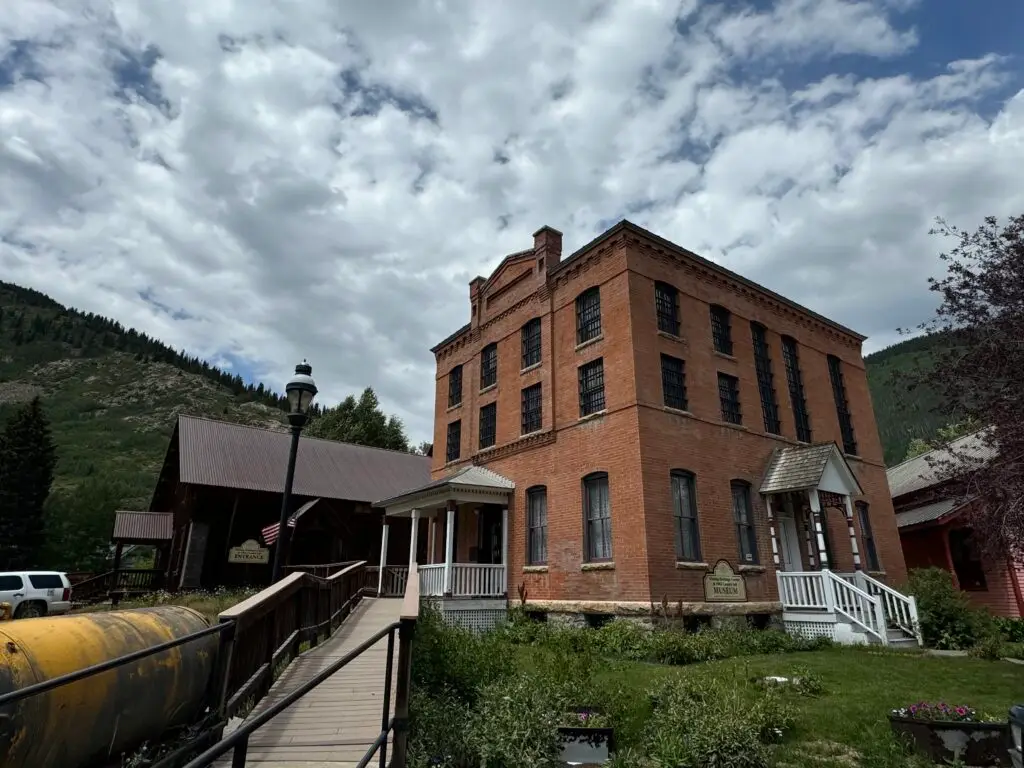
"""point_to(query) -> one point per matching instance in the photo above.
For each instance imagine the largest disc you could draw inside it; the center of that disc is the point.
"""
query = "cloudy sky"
(259, 180)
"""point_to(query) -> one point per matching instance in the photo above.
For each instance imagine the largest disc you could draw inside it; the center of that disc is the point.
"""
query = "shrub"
(948, 621)
(1012, 630)
(438, 731)
(516, 723)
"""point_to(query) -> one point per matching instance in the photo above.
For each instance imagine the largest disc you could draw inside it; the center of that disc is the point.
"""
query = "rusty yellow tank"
(82, 723)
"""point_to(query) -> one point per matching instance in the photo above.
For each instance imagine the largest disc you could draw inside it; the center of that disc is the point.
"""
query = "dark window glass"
(729, 398)
(488, 425)
(531, 343)
(721, 329)
(666, 304)
(532, 415)
(684, 507)
(597, 517)
(537, 525)
(765, 379)
(966, 560)
(744, 518)
(46, 581)
(835, 373)
(489, 366)
(588, 315)
(453, 446)
(591, 378)
(870, 550)
(791, 358)
(11, 583)
(673, 382)
(455, 386)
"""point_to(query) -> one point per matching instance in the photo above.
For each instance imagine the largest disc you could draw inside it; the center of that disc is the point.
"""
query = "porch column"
(771, 530)
(432, 530)
(414, 535)
(504, 546)
(853, 534)
(944, 530)
(449, 547)
(383, 559)
(119, 547)
(819, 535)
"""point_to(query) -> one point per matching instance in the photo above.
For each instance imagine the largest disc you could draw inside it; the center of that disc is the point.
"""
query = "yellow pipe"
(109, 713)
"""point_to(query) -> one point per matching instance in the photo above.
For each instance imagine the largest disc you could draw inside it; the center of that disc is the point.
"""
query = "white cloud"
(323, 178)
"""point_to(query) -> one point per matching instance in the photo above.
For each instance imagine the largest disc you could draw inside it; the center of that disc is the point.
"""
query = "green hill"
(903, 415)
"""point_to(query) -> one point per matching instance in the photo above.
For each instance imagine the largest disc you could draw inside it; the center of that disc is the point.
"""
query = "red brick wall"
(637, 441)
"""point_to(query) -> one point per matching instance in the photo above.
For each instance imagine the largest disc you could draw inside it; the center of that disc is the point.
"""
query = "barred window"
(835, 373)
(455, 386)
(531, 342)
(532, 415)
(721, 329)
(684, 508)
(729, 397)
(591, 378)
(765, 379)
(870, 550)
(489, 366)
(597, 517)
(537, 525)
(588, 315)
(673, 382)
(744, 518)
(666, 304)
(453, 445)
(488, 425)
(794, 379)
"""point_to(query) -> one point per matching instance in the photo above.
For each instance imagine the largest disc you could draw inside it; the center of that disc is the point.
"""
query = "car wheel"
(29, 611)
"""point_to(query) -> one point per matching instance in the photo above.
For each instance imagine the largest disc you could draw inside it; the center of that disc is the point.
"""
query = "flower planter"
(976, 744)
(585, 745)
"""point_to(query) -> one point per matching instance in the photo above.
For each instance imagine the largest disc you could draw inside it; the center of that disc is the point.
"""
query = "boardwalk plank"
(333, 725)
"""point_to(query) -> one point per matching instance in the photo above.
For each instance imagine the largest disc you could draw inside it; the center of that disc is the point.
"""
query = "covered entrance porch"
(459, 537)
(824, 590)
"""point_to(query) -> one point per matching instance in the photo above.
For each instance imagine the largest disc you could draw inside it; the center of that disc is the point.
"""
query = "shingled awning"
(142, 527)
(810, 467)
(468, 485)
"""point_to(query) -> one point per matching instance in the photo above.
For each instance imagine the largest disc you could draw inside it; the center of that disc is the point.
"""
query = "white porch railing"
(855, 598)
(478, 580)
(393, 584)
(432, 580)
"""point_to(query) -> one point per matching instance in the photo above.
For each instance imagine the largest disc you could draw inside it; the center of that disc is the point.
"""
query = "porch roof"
(930, 513)
(142, 527)
(804, 467)
(469, 484)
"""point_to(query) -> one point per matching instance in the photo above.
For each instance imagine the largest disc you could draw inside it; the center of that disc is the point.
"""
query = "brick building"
(648, 413)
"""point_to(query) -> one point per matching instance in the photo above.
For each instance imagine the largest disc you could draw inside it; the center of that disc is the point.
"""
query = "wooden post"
(504, 547)
(413, 536)
(383, 559)
(819, 534)
(853, 534)
(432, 531)
(406, 630)
(771, 530)
(449, 548)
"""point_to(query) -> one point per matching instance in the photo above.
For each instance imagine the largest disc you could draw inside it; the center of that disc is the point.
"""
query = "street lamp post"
(300, 389)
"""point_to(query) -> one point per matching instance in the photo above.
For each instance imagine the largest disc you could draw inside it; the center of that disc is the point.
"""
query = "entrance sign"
(724, 585)
(249, 552)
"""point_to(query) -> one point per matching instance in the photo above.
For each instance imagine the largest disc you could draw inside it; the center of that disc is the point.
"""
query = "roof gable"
(802, 467)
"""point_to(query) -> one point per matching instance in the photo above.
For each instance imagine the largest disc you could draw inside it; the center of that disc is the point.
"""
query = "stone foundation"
(580, 613)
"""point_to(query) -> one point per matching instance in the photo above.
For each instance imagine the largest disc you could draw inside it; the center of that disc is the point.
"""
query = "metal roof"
(797, 467)
(143, 526)
(468, 477)
(229, 455)
(924, 471)
(928, 513)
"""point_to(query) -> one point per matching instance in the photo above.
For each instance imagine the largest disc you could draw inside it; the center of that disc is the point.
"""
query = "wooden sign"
(724, 585)
(249, 552)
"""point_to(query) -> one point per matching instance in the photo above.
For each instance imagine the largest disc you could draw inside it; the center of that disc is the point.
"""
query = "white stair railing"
(856, 605)
(900, 610)
(802, 590)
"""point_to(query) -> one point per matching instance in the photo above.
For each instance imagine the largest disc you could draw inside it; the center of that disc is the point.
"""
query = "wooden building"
(223, 484)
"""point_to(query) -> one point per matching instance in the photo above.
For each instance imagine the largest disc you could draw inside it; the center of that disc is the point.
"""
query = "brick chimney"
(474, 300)
(547, 248)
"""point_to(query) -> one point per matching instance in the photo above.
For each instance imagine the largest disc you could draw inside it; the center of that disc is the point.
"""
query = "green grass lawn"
(847, 725)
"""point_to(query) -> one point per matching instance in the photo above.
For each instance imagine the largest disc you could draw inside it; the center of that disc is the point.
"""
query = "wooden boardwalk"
(333, 725)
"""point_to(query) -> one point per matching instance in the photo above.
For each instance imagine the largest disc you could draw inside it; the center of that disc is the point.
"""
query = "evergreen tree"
(362, 422)
(28, 457)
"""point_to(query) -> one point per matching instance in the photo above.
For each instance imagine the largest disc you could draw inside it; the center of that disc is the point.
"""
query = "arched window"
(531, 342)
(489, 366)
(684, 512)
(588, 315)
(537, 525)
(721, 329)
(597, 518)
(743, 514)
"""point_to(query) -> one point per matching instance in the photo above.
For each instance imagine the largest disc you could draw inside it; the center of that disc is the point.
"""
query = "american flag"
(270, 533)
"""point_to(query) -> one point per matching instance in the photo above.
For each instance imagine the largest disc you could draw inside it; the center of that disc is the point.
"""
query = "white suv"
(35, 593)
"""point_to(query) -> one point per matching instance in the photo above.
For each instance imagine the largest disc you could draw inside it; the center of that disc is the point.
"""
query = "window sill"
(725, 356)
(529, 368)
(485, 448)
(688, 566)
(453, 407)
(672, 337)
(676, 411)
(452, 462)
(536, 431)
(597, 567)
(489, 387)
(535, 569)
(876, 574)
(730, 425)
(594, 415)
(590, 342)
(856, 456)
(751, 569)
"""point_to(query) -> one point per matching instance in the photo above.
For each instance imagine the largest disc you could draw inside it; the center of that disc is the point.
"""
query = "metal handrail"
(104, 666)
